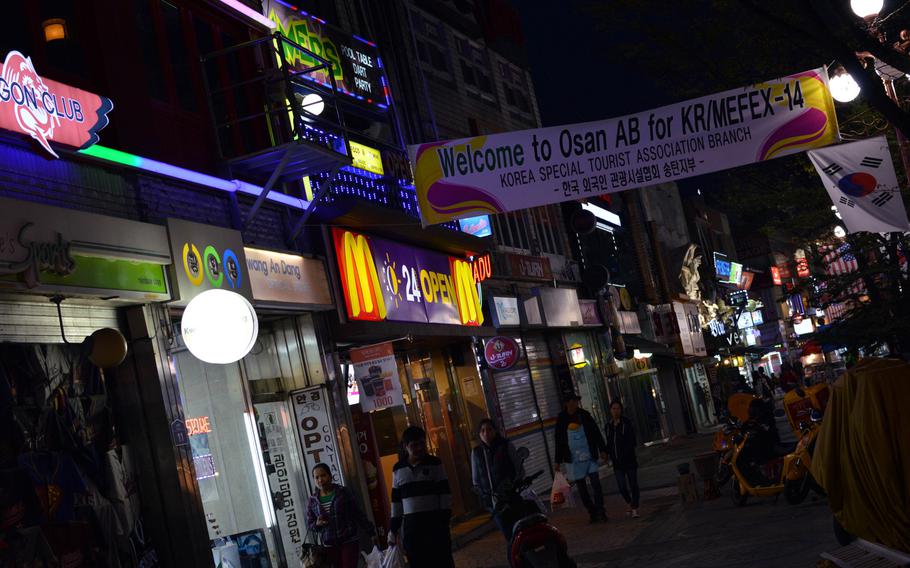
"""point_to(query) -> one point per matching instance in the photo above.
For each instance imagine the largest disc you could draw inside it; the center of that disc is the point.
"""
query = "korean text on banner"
(316, 430)
(862, 184)
(377, 377)
(528, 168)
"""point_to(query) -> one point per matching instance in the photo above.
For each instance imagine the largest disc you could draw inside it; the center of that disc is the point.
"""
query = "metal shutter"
(519, 412)
(35, 320)
(537, 460)
(544, 378)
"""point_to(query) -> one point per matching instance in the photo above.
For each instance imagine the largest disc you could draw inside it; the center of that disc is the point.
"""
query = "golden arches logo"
(469, 309)
(361, 280)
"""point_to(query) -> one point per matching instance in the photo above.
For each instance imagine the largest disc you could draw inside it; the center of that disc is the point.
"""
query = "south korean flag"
(861, 182)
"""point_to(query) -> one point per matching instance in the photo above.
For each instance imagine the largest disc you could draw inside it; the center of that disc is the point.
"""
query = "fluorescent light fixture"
(249, 13)
(231, 186)
(641, 355)
(602, 214)
(603, 227)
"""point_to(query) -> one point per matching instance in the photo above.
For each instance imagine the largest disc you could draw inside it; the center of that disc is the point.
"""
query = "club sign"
(501, 353)
(46, 110)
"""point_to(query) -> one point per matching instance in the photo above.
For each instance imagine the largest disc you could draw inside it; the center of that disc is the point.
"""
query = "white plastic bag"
(561, 492)
(373, 559)
(393, 558)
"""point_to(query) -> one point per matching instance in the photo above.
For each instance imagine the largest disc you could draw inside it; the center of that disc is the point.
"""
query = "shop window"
(467, 73)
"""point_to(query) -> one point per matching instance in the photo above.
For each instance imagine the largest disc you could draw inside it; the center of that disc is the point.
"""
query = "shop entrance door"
(438, 408)
(644, 405)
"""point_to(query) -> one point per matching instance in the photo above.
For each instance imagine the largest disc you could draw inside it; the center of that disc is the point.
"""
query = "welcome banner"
(528, 168)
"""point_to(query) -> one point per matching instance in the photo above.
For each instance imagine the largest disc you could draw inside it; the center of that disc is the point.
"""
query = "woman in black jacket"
(578, 446)
(620, 434)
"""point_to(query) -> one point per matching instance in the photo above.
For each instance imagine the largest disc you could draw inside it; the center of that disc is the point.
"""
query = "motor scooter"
(798, 465)
(534, 542)
(723, 446)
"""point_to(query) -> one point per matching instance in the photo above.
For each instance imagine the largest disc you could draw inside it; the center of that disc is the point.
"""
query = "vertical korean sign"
(317, 432)
(377, 377)
(517, 170)
(280, 453)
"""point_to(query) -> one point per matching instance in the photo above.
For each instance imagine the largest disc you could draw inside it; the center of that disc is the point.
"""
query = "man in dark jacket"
(578, 445)
(494, 461)
(620, 434)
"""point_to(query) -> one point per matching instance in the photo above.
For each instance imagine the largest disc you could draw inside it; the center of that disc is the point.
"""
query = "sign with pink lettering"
(46, 110)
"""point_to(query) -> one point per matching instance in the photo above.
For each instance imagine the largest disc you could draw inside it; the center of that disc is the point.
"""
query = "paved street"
(766, 532)
(716, 533)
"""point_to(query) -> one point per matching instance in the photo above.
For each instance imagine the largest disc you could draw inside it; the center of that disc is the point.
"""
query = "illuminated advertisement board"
(721, 267)
(46, 110)
(355, 61)
(382, 280)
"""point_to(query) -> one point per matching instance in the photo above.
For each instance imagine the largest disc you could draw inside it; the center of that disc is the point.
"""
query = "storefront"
(700, 398)
(642, 396)
(256, 420)
(404, 343)
(69, 489)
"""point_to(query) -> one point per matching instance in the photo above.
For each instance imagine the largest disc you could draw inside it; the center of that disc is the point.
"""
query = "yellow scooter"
(786, 473)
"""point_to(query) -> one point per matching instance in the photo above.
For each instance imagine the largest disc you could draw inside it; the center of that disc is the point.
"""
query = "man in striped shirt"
(421, 504)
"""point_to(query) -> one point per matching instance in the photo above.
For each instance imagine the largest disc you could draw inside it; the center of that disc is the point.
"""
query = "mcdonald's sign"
(382, 280)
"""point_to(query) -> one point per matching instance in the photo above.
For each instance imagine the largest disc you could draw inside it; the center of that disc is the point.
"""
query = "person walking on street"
(620, 434)
(332, 512)
(421, 504)
(789, 380)
(493, 461)
(578, 445)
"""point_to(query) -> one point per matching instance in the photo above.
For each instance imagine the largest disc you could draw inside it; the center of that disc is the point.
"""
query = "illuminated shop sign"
(366, 158)
(355, 61)
(382, 280)
(721, 267)
(46, 110)
(482, 267)
(478, 226)
(207, 258)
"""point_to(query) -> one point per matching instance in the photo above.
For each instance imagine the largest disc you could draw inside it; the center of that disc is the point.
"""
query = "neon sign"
(482, 267)
(198, 425)
(46, 110)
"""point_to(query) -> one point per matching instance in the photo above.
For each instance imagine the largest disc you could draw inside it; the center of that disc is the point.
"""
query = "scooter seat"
(529, 521)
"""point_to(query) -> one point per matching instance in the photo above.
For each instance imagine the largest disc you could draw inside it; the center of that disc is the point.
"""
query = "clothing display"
(68, 491)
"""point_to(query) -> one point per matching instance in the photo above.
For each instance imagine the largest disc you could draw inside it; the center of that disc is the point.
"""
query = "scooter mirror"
(523, 453)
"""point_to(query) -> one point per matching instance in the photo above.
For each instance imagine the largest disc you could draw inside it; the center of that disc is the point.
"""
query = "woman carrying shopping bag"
(578, 445)
(333, 514)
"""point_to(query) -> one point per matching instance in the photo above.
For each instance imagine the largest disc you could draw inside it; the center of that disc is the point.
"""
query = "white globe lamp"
(843, 88)
(839, 232)
(866, 8)
(313, 104)
(219, 326)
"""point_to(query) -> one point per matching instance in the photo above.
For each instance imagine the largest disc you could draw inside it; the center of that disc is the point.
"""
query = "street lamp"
(866, 8)
(839, 232)
(843, 87)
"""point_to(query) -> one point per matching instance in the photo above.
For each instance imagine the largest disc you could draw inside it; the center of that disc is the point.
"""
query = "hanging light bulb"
(843, 87)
